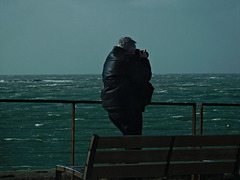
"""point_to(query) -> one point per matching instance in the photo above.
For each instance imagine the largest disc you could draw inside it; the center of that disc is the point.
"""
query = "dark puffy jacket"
(126, 81)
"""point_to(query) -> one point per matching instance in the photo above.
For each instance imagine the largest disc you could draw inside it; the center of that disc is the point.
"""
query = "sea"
(38, 135)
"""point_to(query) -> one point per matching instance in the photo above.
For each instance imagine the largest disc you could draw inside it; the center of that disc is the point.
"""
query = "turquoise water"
(38, 135)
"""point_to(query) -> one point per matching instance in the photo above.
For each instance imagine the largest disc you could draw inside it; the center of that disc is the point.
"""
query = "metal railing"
(77, 105)
(73, 103)
(201, 112)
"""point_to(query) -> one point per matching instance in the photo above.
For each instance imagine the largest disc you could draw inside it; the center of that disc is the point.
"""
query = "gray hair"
(127, 43)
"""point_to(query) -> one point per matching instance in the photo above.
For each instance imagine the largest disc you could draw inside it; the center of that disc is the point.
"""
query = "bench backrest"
(162, 156)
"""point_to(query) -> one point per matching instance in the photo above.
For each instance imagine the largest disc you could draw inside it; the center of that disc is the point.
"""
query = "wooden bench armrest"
(77, 171)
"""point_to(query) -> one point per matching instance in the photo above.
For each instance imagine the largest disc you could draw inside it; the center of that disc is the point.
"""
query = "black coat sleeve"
(140, 70)
(140, 75)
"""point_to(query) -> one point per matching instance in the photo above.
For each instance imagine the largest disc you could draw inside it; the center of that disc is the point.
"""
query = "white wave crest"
(57, 81)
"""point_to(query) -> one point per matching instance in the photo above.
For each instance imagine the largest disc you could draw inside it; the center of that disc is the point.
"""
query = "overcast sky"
(75, 36)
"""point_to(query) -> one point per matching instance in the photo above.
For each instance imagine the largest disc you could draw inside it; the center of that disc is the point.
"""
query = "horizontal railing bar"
(219, 104)
(86, 102)
(32, 166)
(49, 101)
(27, 152)
(173, 103)
(63, 129)
(40, 140)
(84, 128)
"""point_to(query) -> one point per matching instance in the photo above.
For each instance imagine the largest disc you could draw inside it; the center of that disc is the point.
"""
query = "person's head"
(127, 43)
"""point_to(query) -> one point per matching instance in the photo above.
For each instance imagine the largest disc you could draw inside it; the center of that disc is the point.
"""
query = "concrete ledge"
(48, 174)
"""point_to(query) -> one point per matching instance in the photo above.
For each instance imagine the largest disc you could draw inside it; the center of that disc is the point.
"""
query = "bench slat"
(119, 156)
(165, 141)
(202, 168)
(157, 170)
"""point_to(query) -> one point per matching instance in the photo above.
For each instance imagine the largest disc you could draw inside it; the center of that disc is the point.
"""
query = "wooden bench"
(158, 156)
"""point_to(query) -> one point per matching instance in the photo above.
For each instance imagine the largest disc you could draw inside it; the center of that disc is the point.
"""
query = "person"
(127, 90)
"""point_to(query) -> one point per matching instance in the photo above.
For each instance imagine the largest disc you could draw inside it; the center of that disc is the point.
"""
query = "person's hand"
(144, 53)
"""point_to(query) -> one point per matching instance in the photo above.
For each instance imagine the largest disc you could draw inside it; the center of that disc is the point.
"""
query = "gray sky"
(75, 36)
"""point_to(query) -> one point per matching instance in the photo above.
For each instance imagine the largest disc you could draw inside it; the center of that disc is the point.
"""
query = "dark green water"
(38, 135)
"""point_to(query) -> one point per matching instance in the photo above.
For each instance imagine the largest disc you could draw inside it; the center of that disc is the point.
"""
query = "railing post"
(201, 119)
(73, 133)
(194, 120)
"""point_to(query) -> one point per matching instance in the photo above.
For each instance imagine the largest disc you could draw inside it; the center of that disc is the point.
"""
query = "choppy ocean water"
(38, 135)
